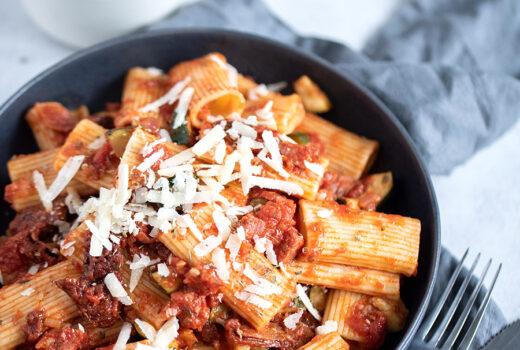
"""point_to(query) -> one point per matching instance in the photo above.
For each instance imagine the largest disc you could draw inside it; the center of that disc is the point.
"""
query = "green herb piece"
(300, 138)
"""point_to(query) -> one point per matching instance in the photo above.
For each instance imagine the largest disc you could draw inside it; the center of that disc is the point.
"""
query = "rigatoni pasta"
(50, 123)
(361, 238)
(347, 152)
(326, 341)
(364, 319)
(19, 299)
(350, 278)
(214, 84)
(142, 87)
(217, 212)
(22, 193)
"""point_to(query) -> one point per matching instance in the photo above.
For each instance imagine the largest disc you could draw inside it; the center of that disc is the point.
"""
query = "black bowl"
(95, 75)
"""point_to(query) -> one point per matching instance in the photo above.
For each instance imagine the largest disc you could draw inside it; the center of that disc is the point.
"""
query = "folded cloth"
(444, 67)
(450, 88)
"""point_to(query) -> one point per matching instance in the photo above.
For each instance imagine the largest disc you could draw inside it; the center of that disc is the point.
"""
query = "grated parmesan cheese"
(154, 71)
(170, 97)
(165, 135)
(269, 253)
(163, 270)
(191, 225)
(97, 241)
(266, 116)
(272, 146)
(116, 289)
(275, 184)
(207, 245)
(260, 244)
(149, 147)
(284, 271)
(269, 287)
(277, 87)
(307, 302)
(220, 152)
(33, 269)
(223, 224)
(246, 156)
(66, 173)
(328, 327)
(122, 193)
(241, 233)
(27, 292)
(218, 258)
(314, 167)
(278, 167)
(97, 143)
(243, 129)
(182, 107)
(147, 329)
(124, 335)
(292, 320)
(73, 201)
(209, 140)
(233, 212)
(150, 160)
(233, 244)
(324, 213)
(227, 170)
(178, 159)
(253, 299)
(254, 93)
(167, 333)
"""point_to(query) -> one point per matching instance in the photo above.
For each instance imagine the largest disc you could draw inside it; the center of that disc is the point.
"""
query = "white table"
(479, 201)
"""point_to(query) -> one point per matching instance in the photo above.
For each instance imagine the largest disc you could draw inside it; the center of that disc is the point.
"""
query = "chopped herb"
(180, 135)
(22, 281)
(239, 332)
(298, 303)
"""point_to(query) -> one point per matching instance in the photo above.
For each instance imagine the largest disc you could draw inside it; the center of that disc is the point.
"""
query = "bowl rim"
(313, 59)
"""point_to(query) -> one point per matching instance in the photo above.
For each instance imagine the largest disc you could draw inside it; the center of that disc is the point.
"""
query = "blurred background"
(479, 201)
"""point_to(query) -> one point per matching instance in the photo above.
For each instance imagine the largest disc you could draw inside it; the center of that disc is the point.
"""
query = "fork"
(434, 332)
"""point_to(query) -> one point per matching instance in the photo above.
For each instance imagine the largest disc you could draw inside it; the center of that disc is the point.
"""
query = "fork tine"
(464, 316)
(430, 320)
(437, 336)
(472, 330)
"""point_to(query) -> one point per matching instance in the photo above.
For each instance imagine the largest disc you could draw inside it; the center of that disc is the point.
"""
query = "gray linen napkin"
(444, 67)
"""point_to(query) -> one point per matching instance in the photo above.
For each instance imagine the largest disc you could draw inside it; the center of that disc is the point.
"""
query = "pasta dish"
(202, 211)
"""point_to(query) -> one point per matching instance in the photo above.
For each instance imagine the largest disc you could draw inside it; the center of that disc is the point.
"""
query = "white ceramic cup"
(82, 23)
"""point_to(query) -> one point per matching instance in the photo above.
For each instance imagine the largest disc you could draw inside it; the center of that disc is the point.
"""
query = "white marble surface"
(479, 201)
